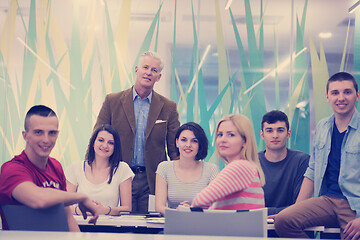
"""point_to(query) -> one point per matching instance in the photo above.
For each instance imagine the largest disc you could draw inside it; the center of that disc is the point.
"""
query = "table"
(31, 235)
(323, 229)
(153, 225)
(313, 232)
(123, 223)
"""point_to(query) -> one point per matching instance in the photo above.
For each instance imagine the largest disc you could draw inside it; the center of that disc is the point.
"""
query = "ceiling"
(329, 16)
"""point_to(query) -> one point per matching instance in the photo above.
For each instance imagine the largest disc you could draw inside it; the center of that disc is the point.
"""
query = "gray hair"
(153, 55)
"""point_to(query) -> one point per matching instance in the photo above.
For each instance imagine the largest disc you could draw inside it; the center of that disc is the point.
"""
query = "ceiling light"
(354, 7)
(228, 5)
(325, 35)
(199, 67)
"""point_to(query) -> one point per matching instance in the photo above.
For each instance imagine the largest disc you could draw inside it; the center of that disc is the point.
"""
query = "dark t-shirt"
(333, 168)
(283, 179)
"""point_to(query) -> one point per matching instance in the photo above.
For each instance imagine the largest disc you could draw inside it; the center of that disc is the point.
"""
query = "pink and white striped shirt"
(236, 187)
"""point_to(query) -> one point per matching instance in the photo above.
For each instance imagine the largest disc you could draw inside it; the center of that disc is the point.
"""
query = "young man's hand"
(352, 229)
(89, 206)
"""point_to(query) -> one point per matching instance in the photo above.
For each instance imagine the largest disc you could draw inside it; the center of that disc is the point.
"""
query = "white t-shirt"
(106, 194)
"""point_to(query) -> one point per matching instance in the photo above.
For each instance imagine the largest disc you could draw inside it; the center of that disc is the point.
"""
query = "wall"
(70, 54)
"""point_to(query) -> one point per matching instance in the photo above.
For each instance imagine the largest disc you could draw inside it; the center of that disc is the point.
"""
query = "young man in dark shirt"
(283, 168)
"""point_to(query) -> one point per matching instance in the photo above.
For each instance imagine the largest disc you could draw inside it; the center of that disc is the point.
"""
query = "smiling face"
(147, 73)
(275, 135)
(342, 96)
(187, 144)
(40, 137)
(104, 145)
(229, 142)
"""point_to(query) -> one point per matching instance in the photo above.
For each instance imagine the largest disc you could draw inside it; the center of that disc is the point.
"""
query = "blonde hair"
(249, 151)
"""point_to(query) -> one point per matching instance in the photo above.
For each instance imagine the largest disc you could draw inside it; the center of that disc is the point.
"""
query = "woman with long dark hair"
(103, 176)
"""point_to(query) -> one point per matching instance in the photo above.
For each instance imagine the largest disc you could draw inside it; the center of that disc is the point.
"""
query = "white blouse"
(106, 194)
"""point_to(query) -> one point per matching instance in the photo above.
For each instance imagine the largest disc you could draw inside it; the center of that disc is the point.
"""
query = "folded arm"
(228, 181)
(125, 196)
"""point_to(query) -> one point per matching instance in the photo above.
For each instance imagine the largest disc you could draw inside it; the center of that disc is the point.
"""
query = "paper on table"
(160, 220)
(183, 208)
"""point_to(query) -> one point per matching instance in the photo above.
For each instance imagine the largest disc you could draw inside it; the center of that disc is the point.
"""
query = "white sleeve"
(123, 172)
(73, 171)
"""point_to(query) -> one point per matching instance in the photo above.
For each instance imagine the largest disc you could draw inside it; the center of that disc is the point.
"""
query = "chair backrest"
(21, 217)
(250, 223)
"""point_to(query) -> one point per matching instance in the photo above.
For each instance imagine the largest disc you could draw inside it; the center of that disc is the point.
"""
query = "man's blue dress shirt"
(141, 110)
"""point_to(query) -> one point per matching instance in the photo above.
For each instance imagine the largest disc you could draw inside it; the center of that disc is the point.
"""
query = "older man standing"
(147, 123)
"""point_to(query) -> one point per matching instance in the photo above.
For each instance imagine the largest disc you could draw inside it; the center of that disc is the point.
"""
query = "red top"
(20, 169)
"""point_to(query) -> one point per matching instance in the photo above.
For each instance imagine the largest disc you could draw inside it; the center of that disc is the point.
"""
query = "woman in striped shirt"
(178, 182)
(239, 185)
